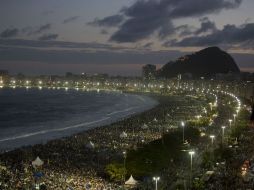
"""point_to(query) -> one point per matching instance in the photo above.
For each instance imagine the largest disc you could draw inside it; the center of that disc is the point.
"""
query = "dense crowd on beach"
(78, 162)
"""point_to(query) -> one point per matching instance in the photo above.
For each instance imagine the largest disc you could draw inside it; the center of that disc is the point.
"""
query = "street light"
(212, 138)
(234, 115)
(223, 131)
(156, 179)
(182, 123)
(124, 165)
(211, 106)
(230, 121)
(191, 153)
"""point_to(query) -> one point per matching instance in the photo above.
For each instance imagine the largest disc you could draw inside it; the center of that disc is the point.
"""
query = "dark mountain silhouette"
(205, 63)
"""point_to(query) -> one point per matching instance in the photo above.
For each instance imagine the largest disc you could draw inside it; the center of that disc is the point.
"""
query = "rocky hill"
(204, 63)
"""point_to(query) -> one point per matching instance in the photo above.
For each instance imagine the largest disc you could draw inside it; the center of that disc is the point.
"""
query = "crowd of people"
(78, 162)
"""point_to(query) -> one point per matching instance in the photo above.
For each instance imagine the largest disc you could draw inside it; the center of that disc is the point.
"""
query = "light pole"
(156, 179)
(230, 121)
(212, 138)
(183, 124)
(223, 131)
(124, 165)
(211, 106)
(191, 153)
(212, 148)
(234, 115)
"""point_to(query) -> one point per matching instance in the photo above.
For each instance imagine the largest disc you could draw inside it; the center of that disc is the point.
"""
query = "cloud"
(146, 17)
(110, 21)
(136, 29)
(70, 19)
(186, 8)
(187, 30)
(206, 26)
(184, 30)
(229, 35)
(68, 46)
(47, 37)
(148, 45)
(34, 44)
(166, 30)
(42, 28)
(8, 33)
(58, 62)
(71, 53)
(103, 31)
(103, 57)
(58, 52)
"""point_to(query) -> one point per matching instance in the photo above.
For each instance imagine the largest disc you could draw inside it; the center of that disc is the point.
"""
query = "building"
(149, 72)
(4, 75)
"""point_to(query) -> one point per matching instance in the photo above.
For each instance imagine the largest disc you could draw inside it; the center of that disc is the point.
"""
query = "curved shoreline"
(84, 156)
(45, 135)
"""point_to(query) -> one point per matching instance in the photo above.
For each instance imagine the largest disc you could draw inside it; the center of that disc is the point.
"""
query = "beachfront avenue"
(178, 144)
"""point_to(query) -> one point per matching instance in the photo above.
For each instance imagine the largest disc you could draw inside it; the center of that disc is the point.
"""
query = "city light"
(182, 123)
(230, 122)
(212, 138)
(156, 179)
(223, 132)
(191, 153)
(124, 164)
(234, 115)
(155, 123)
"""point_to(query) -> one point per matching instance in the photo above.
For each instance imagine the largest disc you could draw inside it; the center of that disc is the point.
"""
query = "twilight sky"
(119, 36)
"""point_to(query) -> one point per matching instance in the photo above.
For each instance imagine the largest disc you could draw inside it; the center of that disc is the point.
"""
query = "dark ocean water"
(29, 116)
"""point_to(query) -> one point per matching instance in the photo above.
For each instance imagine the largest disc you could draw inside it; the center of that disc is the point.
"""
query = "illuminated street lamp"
(156, 179)
(212, 138)
(124, 165)
(183, 124)
(223, 131)
(230, 122)
(211, 106)
(234, 115)
(191, 153)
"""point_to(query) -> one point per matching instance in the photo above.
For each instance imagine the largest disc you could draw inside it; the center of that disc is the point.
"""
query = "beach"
(104, 110)
(80, 159)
